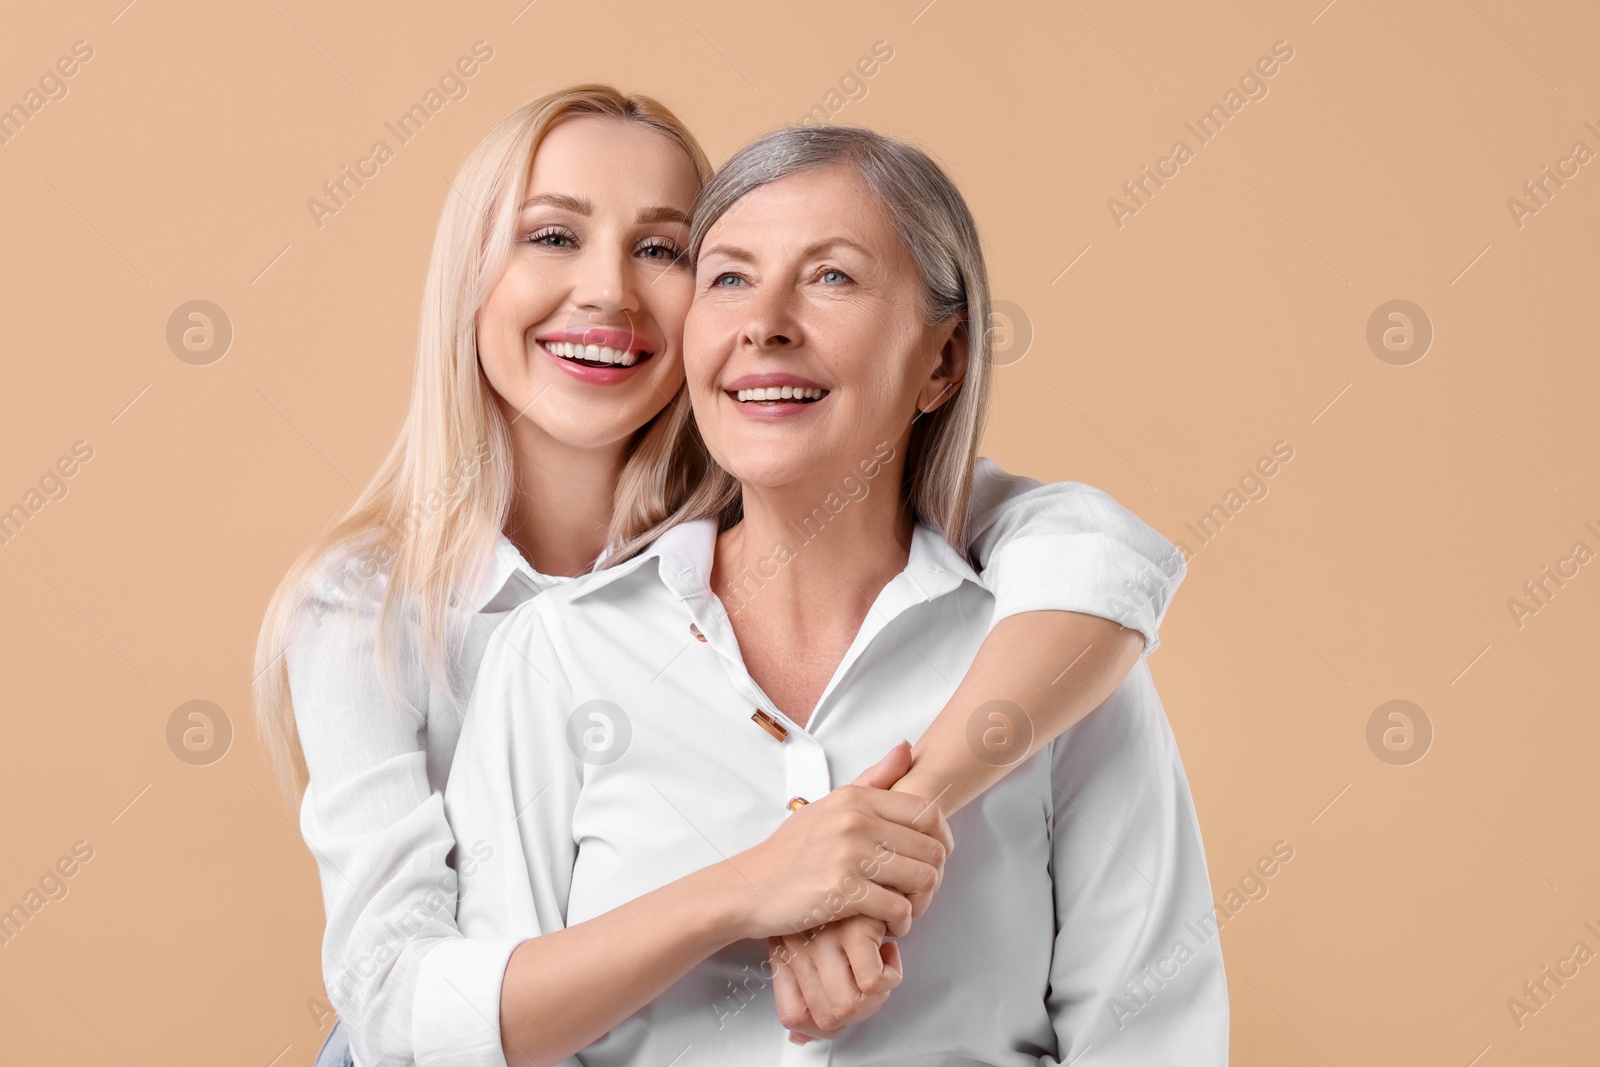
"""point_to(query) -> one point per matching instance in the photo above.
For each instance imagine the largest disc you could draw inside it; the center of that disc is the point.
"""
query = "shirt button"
(698, 636)
(796, 803)
(770, 725)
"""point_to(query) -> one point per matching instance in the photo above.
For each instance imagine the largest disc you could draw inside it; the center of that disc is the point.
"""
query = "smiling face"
(806, 348)
(581, 337)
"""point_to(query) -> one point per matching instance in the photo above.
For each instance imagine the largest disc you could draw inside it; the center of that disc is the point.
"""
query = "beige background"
(1229, 313)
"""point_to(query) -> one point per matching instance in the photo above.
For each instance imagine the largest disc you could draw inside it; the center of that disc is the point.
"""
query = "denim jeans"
(336, 1050)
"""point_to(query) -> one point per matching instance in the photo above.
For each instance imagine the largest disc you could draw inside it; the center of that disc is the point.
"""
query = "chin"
(759, 475)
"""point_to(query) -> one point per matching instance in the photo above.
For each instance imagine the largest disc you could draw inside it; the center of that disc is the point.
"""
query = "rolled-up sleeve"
(1136, 977)
(510, 801)
(1068, 546)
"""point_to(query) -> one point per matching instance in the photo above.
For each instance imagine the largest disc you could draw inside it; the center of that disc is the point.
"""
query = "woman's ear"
(951, 369)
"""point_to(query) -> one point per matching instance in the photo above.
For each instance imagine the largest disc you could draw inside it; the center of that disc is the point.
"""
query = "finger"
(791, 1003)
(889, 770)
(811, 987)
(807, 1029)
(932, 821)
(907, 876)
(893, 968)
(861, 941)
(845, 1000)
(879, 841)
(876, 902)
(906, 809)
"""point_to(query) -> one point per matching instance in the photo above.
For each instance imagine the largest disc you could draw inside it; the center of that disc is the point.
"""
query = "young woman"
(546, 418)
(843, 266)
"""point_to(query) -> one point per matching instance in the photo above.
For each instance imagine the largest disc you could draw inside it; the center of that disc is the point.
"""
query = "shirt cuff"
(1091, 573)
(455, 1018)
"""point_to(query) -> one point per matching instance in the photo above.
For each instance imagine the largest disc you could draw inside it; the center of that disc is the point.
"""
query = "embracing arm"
(1081, 585)
(513, 793)
(566, 989)
(1036, 675)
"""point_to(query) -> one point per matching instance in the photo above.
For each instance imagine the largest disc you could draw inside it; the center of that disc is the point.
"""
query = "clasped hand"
(841, 968)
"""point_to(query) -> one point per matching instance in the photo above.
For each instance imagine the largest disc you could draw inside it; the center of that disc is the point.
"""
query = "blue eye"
(727, 281)
(835, 277)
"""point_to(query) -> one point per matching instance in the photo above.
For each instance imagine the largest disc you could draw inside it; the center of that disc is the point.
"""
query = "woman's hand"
(828, 978)
(860, 850)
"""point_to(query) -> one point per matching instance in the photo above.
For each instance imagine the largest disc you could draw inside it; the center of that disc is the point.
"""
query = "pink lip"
(597, 335)
(767, 381)
(772, 412)
(594, 375)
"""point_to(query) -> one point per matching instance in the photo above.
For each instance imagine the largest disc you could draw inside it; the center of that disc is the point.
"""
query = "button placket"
(805, 767)
(806, 775)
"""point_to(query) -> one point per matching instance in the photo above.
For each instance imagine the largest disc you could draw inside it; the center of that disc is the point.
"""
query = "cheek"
(870, 350)
(667, 301)
(522, 298)
(704, 341)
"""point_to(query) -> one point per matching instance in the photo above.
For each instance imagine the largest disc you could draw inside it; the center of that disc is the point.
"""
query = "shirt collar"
(684, 554)
(508, 568)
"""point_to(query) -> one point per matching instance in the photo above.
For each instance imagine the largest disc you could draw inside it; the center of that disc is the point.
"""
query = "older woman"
(650, 722)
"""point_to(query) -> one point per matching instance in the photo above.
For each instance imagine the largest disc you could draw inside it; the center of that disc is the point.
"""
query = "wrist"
(726, 904)
(934, 783)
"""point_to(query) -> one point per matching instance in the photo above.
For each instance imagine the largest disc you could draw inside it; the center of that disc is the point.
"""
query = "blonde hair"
(931, 217)
(442, 494)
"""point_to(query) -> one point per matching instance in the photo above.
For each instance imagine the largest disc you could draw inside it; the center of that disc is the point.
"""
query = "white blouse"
(373, 814)
(609, 751)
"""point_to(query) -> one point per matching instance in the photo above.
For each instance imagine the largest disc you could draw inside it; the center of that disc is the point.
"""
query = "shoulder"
(993, 486)
(349, 578)
(334, 631)
(1011, 505)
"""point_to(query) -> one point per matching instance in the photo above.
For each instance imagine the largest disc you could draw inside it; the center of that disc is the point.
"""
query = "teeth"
(593, 353)
(779, 392)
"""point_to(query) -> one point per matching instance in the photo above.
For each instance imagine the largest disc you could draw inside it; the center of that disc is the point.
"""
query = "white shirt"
(373, 815)
(1079, 870)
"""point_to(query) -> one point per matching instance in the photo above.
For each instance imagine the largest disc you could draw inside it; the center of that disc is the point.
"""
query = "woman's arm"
(369, 816)
(513, 792)
(1080, 585)
(1036, 675)
(1014, 700)
(565, 989)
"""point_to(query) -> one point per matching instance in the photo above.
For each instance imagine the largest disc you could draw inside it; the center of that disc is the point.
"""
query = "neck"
(563, 500)
(800, 572)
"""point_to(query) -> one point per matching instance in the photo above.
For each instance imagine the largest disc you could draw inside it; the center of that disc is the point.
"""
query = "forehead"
(599, 157)
(803, 209)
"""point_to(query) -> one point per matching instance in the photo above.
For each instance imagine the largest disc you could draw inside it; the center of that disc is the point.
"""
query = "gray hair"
(932, 218)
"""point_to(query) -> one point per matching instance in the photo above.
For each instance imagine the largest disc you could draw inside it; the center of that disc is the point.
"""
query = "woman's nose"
(772, 323)
(606, 283)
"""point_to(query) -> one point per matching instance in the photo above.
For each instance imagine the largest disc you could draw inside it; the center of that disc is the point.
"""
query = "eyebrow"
(580, 206)
(570, 203)
(664, 214)
(735, 252)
